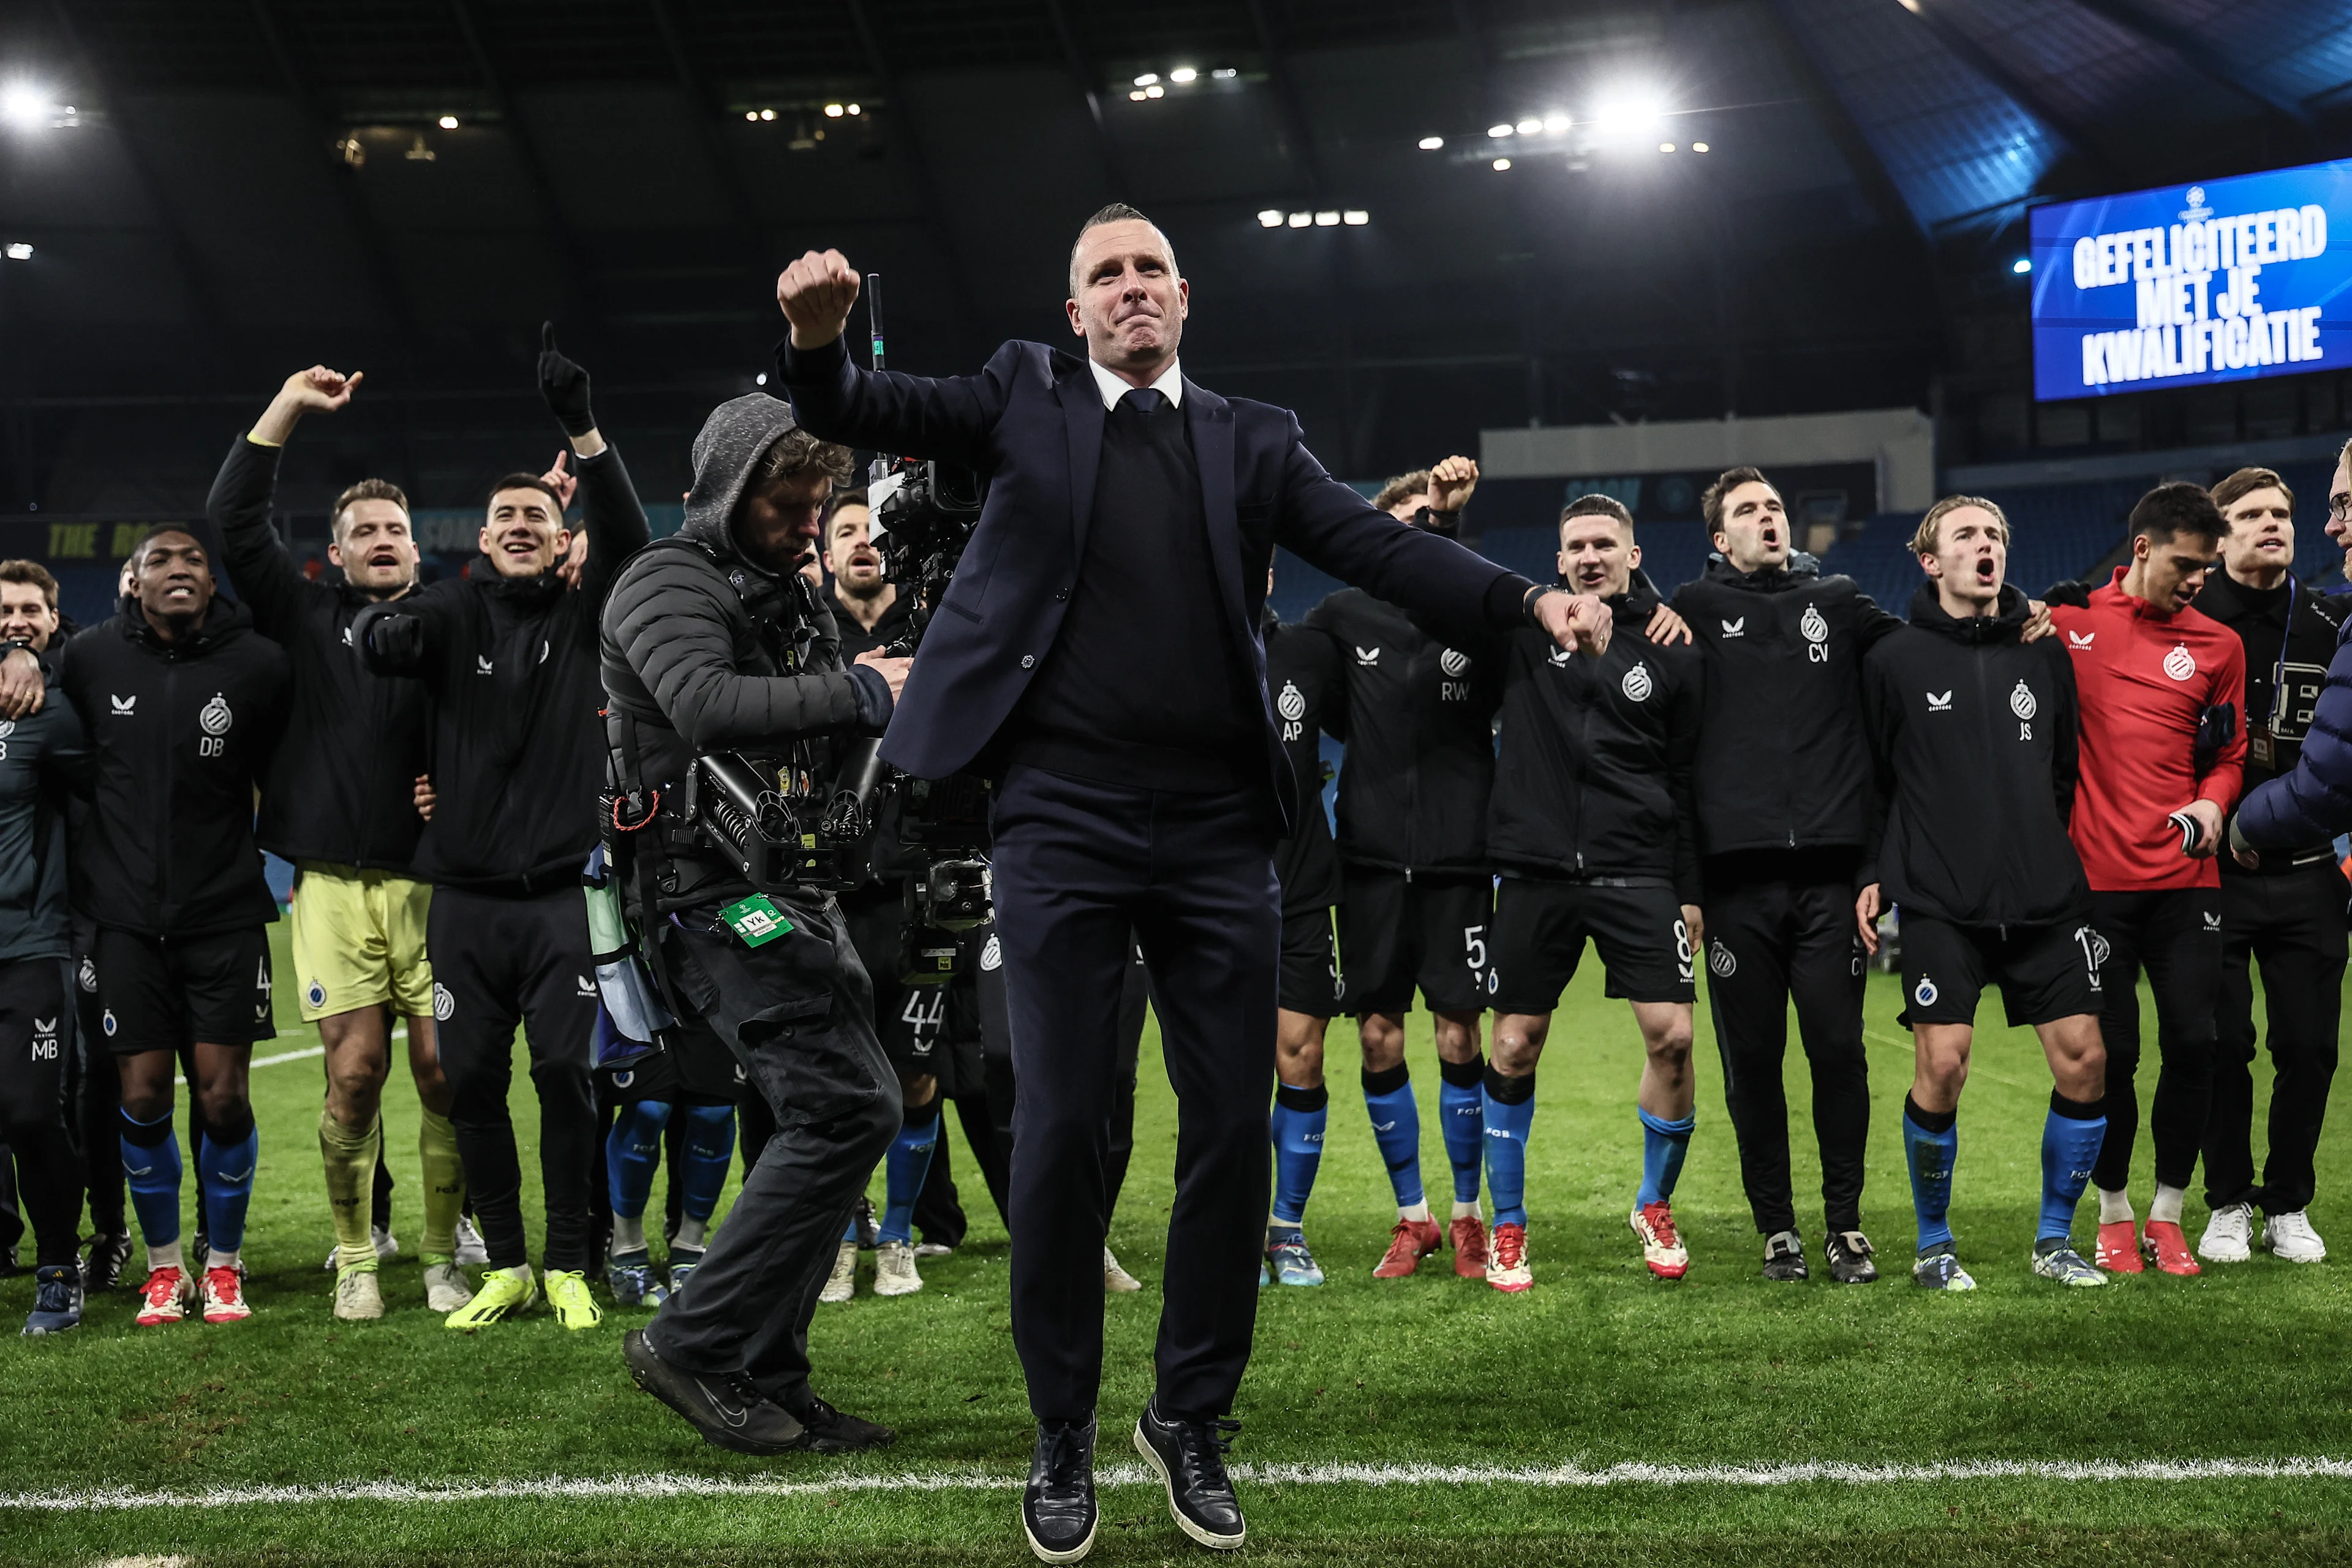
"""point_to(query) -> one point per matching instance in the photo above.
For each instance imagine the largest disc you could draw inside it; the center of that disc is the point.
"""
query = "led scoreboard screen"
(2223, 281)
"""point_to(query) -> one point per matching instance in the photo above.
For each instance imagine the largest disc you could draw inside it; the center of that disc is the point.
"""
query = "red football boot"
(2119, 1248)
(1409, 1243)
(1468, 1235)
(2165, 1242)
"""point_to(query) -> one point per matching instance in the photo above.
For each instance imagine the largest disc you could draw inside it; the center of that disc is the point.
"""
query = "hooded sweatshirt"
(518, 753)
(44, 757)
(1973, 732)
(703, 650)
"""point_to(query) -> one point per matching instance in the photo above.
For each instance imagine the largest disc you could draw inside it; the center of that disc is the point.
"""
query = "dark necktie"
(1145, 400)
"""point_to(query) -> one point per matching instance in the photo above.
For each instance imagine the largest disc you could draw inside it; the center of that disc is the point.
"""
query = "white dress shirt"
(1169, 386)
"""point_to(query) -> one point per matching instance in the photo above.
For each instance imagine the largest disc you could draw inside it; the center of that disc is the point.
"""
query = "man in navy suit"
(1098, 655)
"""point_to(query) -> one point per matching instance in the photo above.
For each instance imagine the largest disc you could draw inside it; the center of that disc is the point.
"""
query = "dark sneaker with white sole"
(109, 1251)
(726, 1407)
(825, 1430)
(57, 1299)
(1057, 1508)
(1189, 1457)
(1784, 1255)
(1849, 1256)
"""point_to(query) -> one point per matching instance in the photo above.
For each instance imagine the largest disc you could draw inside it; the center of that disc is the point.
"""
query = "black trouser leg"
(35, 1038)
(1134, 997)
(2117, 922)
(2181, 948)
(799, 1014)
(100, 1104)
(1747, 993)
(2228, 1123)
(2293, 924)
(560, 1024)
(474, 969)
(1825, 978)
(1078, 866)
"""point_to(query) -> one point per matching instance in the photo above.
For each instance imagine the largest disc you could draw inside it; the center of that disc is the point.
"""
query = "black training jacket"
(2261, 621)
(1972, 734)
(1782, 761)
(1421, 740)
(1594, 776)
(182, 733)
(44, 759)
(340, 786)
(1309, 695)
(893, 624)
(518, 753)
(687, 669)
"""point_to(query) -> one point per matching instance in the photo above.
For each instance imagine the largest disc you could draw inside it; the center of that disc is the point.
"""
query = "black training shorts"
(696, 1068)
(1541, 924)
(2045, 973)
(1311, 965)
(158, 993)
(1398, 934)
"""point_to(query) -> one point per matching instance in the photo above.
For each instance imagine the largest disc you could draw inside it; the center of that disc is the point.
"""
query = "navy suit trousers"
(1080, 866)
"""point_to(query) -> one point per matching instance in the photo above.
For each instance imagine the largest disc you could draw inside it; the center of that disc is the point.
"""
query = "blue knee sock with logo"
(632, 1152)
(2071, 1136)
(1931, 1143)
(1396, 1127)
(710, 1148)
(1296, 1126)
(1461, 1107)
(1509, 1110)
(1664, 1145)
(903, 1170)
(224, 1163)
(151, 1167)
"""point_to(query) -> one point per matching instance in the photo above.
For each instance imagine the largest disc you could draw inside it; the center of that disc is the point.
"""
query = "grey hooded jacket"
(685, 667)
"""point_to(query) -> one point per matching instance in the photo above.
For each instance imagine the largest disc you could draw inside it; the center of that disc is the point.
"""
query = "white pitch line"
(1563, 1477)
(288, 1056)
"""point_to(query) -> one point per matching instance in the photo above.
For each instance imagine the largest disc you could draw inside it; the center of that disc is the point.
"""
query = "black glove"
(2216, 728)
(564, 385)
(2073, 595)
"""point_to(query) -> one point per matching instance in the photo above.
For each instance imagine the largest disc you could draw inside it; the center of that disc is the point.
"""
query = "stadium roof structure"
(1408, 219)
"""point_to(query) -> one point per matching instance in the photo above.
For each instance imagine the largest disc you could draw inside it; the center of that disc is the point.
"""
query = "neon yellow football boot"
(504, 1293)
(567, 1292)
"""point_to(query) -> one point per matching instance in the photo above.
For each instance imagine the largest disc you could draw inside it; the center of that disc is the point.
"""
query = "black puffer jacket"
(1972, 733)
(518, 753)
(341, 785)
(686, 666)
(182, 732)
(1593, 778)
(1783, 762)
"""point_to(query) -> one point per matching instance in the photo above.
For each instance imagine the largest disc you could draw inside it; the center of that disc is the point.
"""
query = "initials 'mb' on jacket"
(2146, 676)
(1421, 739)
(1593, 778)
(181, 733)
(1782, 761)
(1973, 736)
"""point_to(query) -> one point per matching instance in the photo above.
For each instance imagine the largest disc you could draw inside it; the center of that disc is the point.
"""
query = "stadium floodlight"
(26, 107)
(1500, 131)
(854, 109)
(448, 122)
(1136, 95)
(1355, 218)
(1155, 90)
(1270, 218)
(1666, 146)
(2022, 265)
(1183, 76)
(1224, 73)
(761, 379)
(1149, 79)
(1531, 126)
(1698, 146)
(1628, 114)
(1555, 123)
(1501, 164)
(1327, 220)
(767, 114)
(1430, 143)
(832, 112)
(1301, 220)
(20, 251)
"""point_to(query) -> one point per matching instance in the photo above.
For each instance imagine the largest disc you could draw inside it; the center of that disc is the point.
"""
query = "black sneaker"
(1191, 1458)
(725, 1407)
(825, 1430)
(1784, 1255)
(870, 1234)
(57, 1299)
(1057, 1510)
(1849, 1256)
(109, 1251)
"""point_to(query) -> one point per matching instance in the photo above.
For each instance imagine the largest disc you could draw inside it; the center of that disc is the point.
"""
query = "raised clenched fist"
(816, 292)
(1451, 482)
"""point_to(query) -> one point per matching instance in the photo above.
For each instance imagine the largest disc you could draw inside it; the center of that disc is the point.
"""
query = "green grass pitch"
(1599, 1366)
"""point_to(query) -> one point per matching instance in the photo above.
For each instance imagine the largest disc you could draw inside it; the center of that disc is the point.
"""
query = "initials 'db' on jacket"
(1973, 732)
(182, 732)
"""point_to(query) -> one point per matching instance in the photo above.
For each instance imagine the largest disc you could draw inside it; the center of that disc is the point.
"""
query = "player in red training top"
(2163, 742)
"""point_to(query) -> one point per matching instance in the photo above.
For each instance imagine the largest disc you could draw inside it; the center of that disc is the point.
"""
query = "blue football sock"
(849, 1232)
(151, 1167)
(1931, 1153)
(1396, 1127)
(632, 1152)
(224, 1172)
(2071, 1135)
(709, 1146)
(1296, 1125)
(1462, 1110)
(1664, 1144)
(1509, 1110)
(903, 1170)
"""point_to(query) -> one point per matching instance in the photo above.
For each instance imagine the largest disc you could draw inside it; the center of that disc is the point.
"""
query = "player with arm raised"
(1972, 734)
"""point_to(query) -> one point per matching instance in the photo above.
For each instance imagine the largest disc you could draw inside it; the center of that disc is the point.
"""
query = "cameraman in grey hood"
(714, 641)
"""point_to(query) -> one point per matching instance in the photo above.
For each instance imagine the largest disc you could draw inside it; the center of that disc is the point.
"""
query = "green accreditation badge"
(755, 920)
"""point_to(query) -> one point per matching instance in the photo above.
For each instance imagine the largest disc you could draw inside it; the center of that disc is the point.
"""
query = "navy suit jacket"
(1031, 424)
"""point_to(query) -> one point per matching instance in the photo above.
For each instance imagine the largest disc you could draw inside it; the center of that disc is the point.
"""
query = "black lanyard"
(2278, 677)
